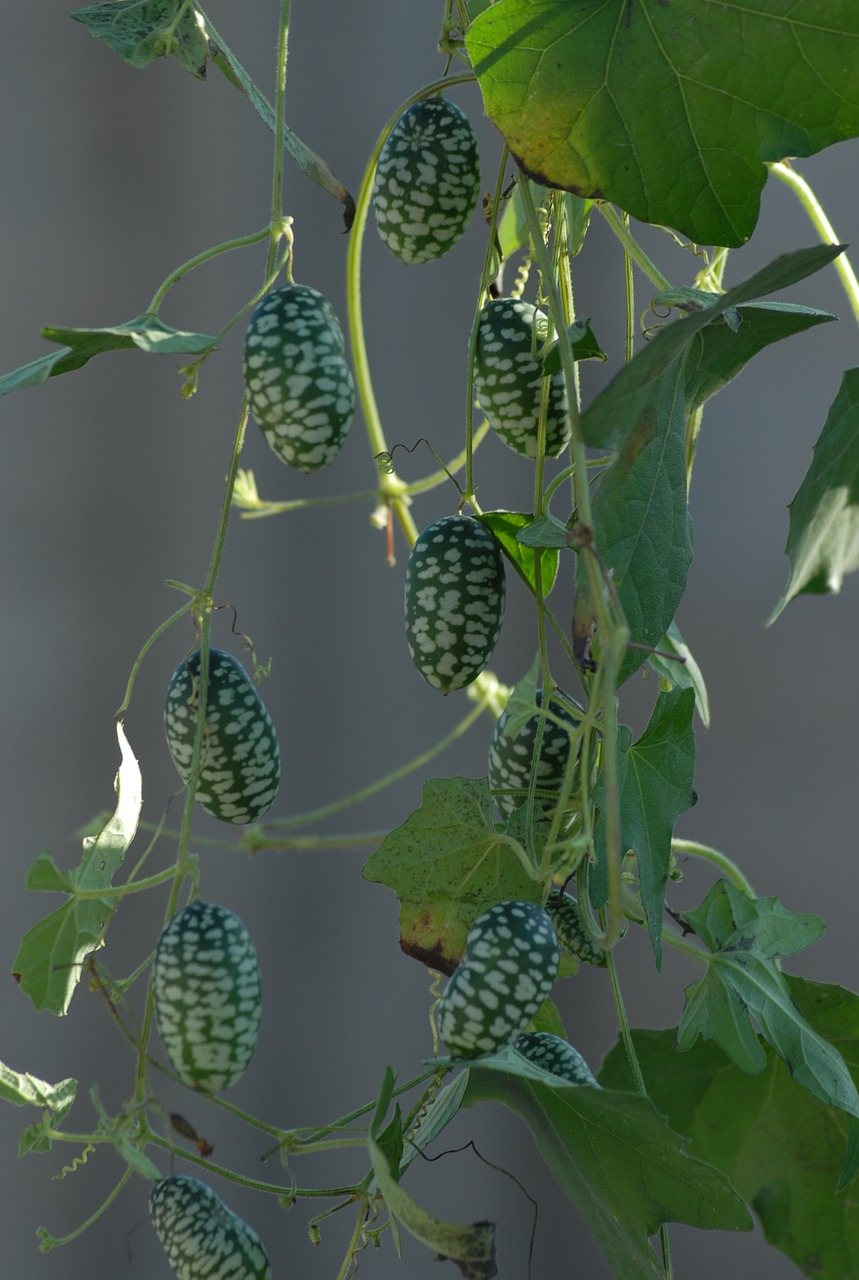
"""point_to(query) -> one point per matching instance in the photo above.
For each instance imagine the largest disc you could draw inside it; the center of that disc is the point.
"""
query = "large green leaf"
(823, 543)
(618, 1161)
(643, 531)
(781, 1147)
(669, 109)
(506, 525)
(50, 957)
(656, 775)
(446, 863)
(146, 333)
(142, 30)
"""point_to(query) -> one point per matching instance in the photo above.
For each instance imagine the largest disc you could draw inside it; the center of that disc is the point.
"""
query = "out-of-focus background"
(111, 484)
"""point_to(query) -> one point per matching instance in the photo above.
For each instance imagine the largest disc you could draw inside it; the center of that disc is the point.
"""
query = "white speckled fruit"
(511, 756)
(564, 911)
(556, 1056)
(202, 1237)
(454, 601)
(508, 967)
(299, 386)
(427, 181)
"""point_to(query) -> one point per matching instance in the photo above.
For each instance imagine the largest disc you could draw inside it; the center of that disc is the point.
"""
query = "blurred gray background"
(111, 484)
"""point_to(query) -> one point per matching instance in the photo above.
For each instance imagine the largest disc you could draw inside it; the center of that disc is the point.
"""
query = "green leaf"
(729, 919)
(643, 532)
(54, 1100)
(668, 110)
(681, 672)
(45, 876)
(617, 1160)
(546, 531)
(437, 1116)
(656, 775)
(142, 30)
(823, 542)
(146, 333)
(506, 525)
(471, 1248)
(50, 957)
(446, 863)
(584, 345)
(781, 1147)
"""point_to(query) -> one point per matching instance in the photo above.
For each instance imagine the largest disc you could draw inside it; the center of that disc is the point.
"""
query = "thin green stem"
(253, 1184)
(720, 860)
(159, 631)
(632, 247)
(824, 228)
(55, 1241)
(240, 242)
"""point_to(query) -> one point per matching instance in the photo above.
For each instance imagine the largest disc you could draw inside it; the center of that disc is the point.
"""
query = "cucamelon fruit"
(508, 967)
(555, 1056)
(564, 912)
(508, 377)
(511, 756)
(299, 386)
(240, 765)
(454, 601)
(208, 996)
(427, 181)
(202, 1237)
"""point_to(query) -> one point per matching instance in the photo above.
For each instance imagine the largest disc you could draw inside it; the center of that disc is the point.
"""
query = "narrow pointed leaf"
(507, 526)
(681, 671)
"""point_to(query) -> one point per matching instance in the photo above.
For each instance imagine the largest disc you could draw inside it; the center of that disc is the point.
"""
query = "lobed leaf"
(142, 30)
(668, 110)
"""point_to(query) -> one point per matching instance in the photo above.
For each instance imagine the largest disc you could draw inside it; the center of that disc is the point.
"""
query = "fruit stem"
(784, 171)
(206, 256)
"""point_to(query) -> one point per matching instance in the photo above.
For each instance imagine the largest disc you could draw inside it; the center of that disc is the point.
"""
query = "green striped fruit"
(240, 767)
(299, 386)
(202, 1237)
(555, 1056)
(511, 755)
(564, 911)
(508, 967)
(427, 181)
(208, 996)
(454, 601)
(508, 378)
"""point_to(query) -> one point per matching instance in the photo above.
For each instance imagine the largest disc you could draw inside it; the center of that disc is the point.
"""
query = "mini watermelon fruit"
(566, 917)
(208, 996)
(511, 756)
(508, 967)
(202, 1237)
(454, 601)
(240, 767)
(508, 378)
(427, 181)
(299, 386)
(556, 1056)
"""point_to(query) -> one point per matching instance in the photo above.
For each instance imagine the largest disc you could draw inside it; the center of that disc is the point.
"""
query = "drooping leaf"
(506, 525)
(545, 531)
(51, 955)
(729, 918)
(656, 775)
(668, 110)
(584, 346)
(823, 542)
(781, 1147)
(146, 333)
(54, 1101)
(471, 1248)
(446, 863)
(643, 531)
(617, 1160)
(681, 671)
(142, 30)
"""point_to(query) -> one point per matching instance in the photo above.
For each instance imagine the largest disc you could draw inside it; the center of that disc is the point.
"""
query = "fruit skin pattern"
(508, 967)
(202, 1237)
(511, 756)
(299, 386)
(240, 766)
(427, 181)
(208, 996)
(565, 915)
(555, 1056)
(454, 601)
(508, 378)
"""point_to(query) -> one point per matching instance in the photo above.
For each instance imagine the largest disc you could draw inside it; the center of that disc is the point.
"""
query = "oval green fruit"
(564, 912)
(208, 996)
(427, 181)
(299, 386)
(202, 1237)
(454, 601)
(508, 378)
(240, 766)
(508, 967)
(556, 1056)
(511, 755)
